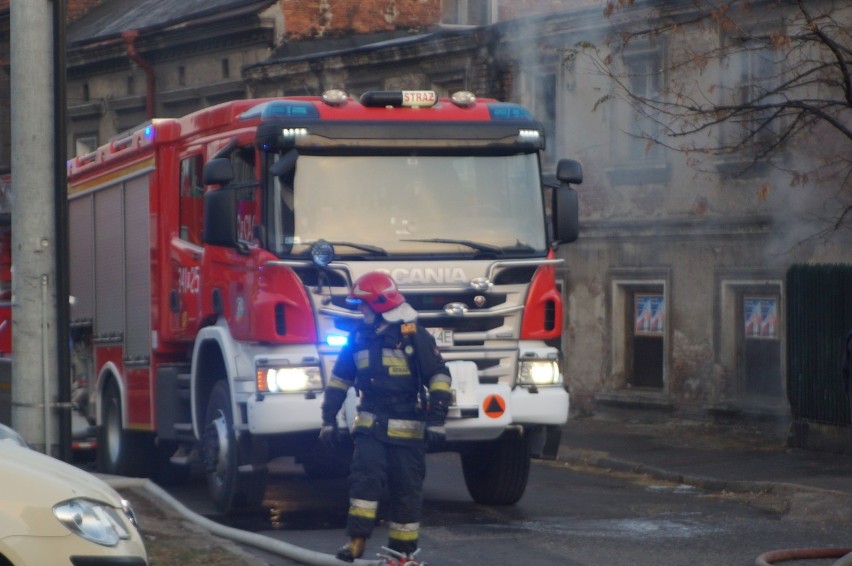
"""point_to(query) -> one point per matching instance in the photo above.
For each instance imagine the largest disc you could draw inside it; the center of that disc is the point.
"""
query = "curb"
(806, 502)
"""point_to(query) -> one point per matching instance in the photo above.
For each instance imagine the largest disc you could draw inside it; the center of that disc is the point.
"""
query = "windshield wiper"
(375, 250)
(478, 246)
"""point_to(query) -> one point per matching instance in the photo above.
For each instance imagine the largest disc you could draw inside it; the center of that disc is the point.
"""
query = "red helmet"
(378, 290)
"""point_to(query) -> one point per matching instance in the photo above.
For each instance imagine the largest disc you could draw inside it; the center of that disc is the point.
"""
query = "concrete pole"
(34, 337)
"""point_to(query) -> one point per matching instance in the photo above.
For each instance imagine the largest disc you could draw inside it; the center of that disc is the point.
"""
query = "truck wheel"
(229, 489)
(121, 452)
(496, 473)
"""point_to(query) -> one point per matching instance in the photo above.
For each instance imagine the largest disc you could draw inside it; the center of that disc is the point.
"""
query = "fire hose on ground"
(777, 556)
(277, 547)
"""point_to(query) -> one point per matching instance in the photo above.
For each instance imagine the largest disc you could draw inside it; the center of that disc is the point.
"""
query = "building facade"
(675, 291)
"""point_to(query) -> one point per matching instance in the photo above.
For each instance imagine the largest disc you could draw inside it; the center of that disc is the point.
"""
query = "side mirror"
(566, 203)
(218, 171)
(220, 217)
(569, 171)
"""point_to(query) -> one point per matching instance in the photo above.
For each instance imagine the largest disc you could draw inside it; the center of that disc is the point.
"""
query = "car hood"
(31, 475)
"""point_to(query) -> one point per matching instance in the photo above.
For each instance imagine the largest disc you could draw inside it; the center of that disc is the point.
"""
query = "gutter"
(130, 37)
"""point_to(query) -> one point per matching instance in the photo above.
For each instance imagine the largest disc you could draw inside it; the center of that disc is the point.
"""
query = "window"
(131, 86)
(191, 199)
(181, 76)
(226, 69)
(468, 12)
(248, 195)
(637, 159)
(748, 80)
(643, 69)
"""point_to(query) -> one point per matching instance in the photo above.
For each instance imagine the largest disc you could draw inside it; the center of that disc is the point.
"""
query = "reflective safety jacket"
(395, 367)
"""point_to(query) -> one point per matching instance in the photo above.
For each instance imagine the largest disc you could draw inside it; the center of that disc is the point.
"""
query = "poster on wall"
(649, 315)
(761, 317)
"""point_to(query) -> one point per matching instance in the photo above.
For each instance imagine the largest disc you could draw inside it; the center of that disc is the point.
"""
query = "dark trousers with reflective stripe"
(400, 467)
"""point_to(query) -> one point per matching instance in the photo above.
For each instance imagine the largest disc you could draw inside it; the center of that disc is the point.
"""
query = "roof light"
(281, 109)
(335, 97)
(508, 111)
(463, 99)
(399, 98)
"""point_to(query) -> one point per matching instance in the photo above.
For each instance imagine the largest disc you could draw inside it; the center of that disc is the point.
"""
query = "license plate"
(443, 336)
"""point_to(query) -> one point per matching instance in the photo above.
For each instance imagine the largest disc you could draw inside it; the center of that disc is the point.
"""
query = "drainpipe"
(129, 37)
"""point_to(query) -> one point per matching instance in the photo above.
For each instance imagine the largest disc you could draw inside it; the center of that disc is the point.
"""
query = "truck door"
(186, 251)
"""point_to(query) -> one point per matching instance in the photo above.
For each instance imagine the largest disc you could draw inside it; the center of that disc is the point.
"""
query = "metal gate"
(819, 310)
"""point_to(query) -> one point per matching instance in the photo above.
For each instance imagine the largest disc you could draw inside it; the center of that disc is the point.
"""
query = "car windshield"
(409, 205)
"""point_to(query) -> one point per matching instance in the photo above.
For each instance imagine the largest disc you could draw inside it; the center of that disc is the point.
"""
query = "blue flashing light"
(508, 111)
(149, 132)
(336, 340)
(282, 109)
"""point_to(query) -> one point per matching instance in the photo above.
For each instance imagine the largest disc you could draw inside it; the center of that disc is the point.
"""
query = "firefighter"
(403, 386)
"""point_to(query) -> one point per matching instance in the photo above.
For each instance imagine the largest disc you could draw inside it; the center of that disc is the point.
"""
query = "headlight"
(288, 379)
(539, 372)
(93, 521)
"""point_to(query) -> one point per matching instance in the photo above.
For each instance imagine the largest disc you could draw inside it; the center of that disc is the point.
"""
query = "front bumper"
(72, 550)
(483, 412)
(283, 413)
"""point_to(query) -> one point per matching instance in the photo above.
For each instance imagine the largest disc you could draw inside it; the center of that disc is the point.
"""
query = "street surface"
(568, 517)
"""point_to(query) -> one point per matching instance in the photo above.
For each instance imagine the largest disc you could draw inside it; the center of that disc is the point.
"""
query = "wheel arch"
(212, 360)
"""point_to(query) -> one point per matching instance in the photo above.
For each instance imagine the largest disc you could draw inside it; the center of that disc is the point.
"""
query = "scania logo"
(427, 275)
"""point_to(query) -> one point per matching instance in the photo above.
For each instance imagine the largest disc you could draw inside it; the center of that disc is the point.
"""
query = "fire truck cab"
(211, 258)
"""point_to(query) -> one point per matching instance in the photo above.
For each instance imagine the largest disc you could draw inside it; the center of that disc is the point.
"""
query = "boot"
(352, 549)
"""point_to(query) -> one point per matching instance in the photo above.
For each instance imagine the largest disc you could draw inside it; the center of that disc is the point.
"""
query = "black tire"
(229, 489)
(496, 473)
(121, 452)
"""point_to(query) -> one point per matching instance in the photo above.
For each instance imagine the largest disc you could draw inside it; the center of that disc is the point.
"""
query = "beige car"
(54, 514)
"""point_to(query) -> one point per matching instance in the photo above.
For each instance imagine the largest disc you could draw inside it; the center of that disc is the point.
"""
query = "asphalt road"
(568, 516)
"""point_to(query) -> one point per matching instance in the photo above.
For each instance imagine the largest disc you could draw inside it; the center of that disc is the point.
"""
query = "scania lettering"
(211, 257)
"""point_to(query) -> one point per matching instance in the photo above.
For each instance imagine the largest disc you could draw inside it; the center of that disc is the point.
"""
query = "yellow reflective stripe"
(337, 383)
(439, 385)
(396, 362)
(406, 531)
(364, 420)
(402, 428)
(363, 508)
(362, 359)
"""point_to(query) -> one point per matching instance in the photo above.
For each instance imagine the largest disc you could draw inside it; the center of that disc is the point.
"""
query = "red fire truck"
(211, 257)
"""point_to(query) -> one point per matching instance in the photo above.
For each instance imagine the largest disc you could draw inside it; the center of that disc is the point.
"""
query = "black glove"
(435, 432)
(328, 435)
(435, 435)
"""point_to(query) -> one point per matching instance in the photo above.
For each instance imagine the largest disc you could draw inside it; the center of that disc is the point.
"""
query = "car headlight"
(539, 373)
(288, 379)
(93, 521)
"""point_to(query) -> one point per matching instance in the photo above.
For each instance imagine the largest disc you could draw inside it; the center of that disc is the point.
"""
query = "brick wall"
(76, 8)
(332, 18)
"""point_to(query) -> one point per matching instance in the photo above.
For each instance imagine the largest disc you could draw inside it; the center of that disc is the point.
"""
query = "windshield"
(393, 205)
